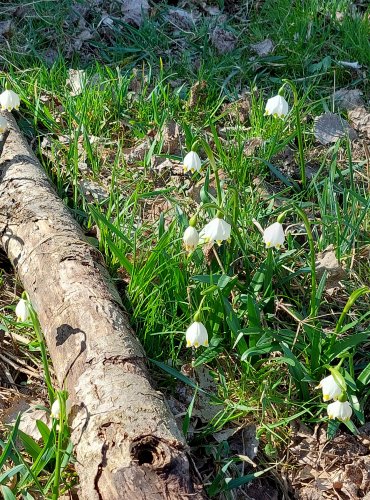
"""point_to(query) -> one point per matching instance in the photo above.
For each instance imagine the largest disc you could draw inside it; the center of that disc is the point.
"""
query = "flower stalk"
(212, 162)
(313, 306)
(45, 363)
(299, 131)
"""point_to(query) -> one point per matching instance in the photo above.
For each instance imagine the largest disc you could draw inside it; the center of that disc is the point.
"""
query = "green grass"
(271, 339)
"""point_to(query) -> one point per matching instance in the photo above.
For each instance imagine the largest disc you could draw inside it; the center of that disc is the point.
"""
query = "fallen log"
(126, 440)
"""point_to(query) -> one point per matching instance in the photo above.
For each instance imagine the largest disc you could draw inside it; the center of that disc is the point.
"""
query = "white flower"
(22, 311)
(216, 230)
(277, 106)
(330, 389)
(9, 100)
(3, 125)
(55, 409)
(273, 236)
(192, 162)
(196, 335)
(340, 410)
(190, 239)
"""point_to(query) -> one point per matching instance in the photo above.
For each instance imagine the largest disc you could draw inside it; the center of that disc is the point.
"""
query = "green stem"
(212, 162)
(299, 132)
(44, 357)
(300, 147)
(58, 451)
(313, 306)
(352, 299)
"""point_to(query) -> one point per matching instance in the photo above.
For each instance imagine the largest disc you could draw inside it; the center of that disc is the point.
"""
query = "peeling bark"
(126, 440)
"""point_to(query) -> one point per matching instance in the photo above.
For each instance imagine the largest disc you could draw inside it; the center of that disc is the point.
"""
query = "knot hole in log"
(149, 450)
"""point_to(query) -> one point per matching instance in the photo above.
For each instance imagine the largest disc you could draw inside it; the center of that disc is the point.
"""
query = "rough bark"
(126, 440)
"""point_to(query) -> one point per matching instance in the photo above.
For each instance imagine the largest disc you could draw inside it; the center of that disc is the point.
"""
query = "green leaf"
(261, 349)
(213, 350)
(99, 217)
(11, 472)
(9, 445)
(30, 445)
(189, 412)
(364, 376)
(43, 429)
(175, 373)
(351, 342)
(204, 194)
(120, 256)
(7, 493)
(161, 225)
(333, 426)
(297, 372)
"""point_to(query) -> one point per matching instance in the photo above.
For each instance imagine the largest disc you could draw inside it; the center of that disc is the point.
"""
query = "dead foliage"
(329, 469)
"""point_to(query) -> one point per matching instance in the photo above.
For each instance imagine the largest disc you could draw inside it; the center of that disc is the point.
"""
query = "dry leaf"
(134, 11)
(360, 119)
(327, 261)
(330, 127)
(93, 191)
(251, 145)
(351, 65)
(263, 48)
(84, 36)
(197, 93)
(348, 99)
(180, 18)
(224, 41)
(171, 138)
(137, 153)
(5, 27)
(76, 81)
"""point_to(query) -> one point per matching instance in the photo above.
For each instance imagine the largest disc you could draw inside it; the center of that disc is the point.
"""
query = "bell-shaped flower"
(3, 125)
(217, 230)
(196, 335)
(9, 100)
(192, 162)
(340, 410)
(330, 388)
(273, 236)
(277, 106)
(190, 239)
(22, 311)
(55, 409)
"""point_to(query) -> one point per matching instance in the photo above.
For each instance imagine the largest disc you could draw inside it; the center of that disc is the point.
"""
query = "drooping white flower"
(277, 106)
(190, 239)
(192, 162)
(330, 389)
(196, 335)
(217, 230)
(3, 125)
(55, 409)
(273, 236)
(340, 410)
(22, 311)
(9, 100)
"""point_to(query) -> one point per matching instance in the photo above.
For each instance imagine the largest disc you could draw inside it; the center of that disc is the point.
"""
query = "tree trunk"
(126, 440)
